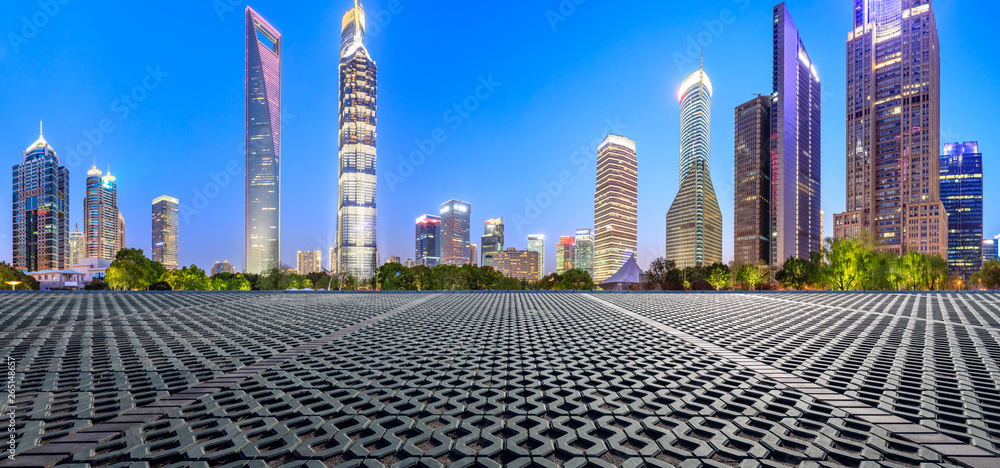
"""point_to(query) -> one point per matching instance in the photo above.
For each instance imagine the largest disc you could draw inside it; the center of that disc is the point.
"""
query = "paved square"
(503, 379)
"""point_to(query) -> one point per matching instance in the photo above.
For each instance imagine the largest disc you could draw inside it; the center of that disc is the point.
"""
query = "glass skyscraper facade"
(356, 248)
(584, 259)
(263, 145)
(962, 195)
(166, 232)
(752, 188)
(40, 210)
(536, 243)
(77, 247)
(795, 147)
(616, 206)
(103, 223)
(565, 254)
(694, 221)
(492, 240)
(427, 248)
(455, 232)
(893, 128)
(991, 249)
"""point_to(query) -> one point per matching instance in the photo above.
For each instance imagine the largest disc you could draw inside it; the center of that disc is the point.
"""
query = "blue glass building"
(962, 194)
(427, 248)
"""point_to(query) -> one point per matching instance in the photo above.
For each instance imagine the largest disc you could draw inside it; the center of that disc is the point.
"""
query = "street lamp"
(13, 284)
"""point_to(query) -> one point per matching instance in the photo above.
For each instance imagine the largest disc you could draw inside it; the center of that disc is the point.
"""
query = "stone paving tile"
(522, 380)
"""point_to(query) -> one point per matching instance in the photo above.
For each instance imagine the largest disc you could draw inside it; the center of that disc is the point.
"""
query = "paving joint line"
(943, 322)
(55, 451)
(123, 316)
(946, 446)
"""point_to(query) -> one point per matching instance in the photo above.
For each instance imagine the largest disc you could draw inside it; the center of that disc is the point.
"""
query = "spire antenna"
(702, 57)
(40, 133)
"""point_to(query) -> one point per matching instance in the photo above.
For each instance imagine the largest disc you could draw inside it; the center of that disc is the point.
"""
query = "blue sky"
(157, 93)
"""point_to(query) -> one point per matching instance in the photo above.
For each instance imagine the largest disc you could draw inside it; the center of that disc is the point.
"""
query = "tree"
(718, 276)
(9, 273)
(131, 270)
(575, 280)
(796, 273)
(229, 282)
(989, 277)
(848, 265)
(749, 277)
(161, 286)
(174, 278)
(351, 283)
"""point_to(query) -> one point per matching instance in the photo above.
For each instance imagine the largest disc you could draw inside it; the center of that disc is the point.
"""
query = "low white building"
(94, 268)
(60, 279)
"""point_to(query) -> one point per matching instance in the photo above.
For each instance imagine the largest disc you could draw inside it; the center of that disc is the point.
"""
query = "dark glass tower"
(263, 145)
(427, 238)
(752, 173)
(40, 210)
(492, 240)
(357, 248)
(962, 195)
(796, 110)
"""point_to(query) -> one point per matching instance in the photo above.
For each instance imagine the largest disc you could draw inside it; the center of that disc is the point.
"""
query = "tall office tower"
(565, 254)
(357, 250)
(262, 248)
(165, 232)
(393, 259)
(991, 249)
(309, 262)
(796, 111)
(77, 247)
(513, 263)
(616, 206)
(473, 254)
(103, 224)
(893, 128)
(41, 210)
(584, 259)
(455, 232)
(428, 241)
(223, 267)
(536, 243)
(694, 221)
(492, 240)
(962, 195)
(752, 175)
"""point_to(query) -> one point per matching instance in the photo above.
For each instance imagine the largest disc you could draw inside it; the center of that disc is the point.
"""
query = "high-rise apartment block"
(962, 195)
(492, 240)
(536, 243)
(262, 243)
(103, 223)
(616, 206)
(455, 232)
(41, 210)
(309, 262)
(565, 254)
(893, 128)
(222, 267)
(513, 263)
(584, 257)
(77, 246)
(752, 188)
(357, 247)
(166, 232)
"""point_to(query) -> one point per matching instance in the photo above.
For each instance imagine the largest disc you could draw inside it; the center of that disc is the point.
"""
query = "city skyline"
(210, 233)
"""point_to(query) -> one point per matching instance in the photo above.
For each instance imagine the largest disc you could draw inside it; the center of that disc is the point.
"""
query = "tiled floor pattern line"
(916, 433)
(814, 306)
(58, 450)
(128, 316)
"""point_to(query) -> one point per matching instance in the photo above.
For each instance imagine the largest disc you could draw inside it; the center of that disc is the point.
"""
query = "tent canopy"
(629, 274)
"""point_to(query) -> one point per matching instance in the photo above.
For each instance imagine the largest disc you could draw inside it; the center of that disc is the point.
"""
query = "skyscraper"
(513, 263)
(796, 111)
(962, 195)
(893, 128)
(694, 221)
(616, 206)
(357, 249)
(584, 259)
(565, 254)
(492, 240)
(77, 247)
(222, 267)
(455, 232)
(309, 262)
(473, 254)
(991, 249)
(752, 174)
(428, 241)
(536, 243)
(40, 210)
(263, 145)
(165, 232)
(103, 224)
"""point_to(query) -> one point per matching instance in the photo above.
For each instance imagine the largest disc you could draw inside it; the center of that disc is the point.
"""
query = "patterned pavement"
(503, 379)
